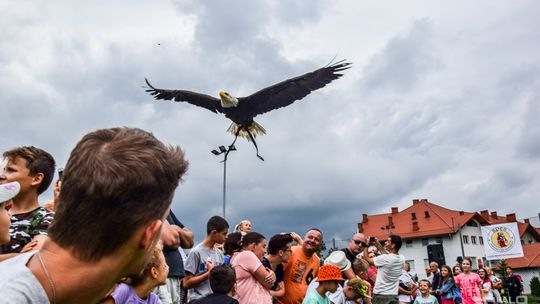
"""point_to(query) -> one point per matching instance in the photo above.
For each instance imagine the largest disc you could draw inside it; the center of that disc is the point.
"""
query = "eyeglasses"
(358, 242)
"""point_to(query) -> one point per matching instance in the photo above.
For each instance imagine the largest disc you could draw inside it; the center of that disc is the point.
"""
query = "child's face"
(219, 237)
(163, 269)
(17, 170)
(444, 272)
(482, 273)
(331, 286)
(424, 288)
(245, 226)
(466, 265)
(349, 293)
(5, 222)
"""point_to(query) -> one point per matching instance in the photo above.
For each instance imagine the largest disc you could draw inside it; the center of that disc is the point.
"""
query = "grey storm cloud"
(441, 102)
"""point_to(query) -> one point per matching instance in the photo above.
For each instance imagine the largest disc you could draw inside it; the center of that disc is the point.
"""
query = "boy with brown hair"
(203, 257)
(33, 168)
(117, 189)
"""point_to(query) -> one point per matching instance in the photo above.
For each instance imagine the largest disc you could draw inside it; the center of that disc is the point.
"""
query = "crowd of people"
(110, 236)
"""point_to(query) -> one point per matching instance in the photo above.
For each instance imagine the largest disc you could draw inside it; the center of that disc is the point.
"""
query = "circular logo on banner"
(501, 239)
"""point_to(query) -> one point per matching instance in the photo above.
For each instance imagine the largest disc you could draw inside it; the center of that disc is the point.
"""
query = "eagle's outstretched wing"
(194, 98)
(286, 92)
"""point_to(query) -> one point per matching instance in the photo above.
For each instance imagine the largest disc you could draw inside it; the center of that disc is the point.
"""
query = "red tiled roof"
(423, 218)
(531, 257)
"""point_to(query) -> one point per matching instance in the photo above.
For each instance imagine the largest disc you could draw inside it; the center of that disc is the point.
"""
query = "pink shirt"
(468, 285)
(248, 289)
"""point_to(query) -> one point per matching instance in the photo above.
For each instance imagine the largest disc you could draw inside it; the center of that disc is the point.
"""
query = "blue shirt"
(429, 300)
(173, 256)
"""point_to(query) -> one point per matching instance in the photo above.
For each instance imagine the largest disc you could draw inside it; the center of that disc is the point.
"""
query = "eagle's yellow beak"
(222, 94)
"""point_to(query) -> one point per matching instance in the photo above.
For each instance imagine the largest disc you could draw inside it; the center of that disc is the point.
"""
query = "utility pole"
(225, 152)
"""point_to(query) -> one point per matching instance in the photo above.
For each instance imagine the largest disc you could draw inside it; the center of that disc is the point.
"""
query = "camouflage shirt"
(25, 226)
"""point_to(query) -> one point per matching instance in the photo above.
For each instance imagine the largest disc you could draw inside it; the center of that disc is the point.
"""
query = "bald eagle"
(242, 110)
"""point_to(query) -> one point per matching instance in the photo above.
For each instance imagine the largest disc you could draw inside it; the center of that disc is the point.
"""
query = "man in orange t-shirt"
(302, 267)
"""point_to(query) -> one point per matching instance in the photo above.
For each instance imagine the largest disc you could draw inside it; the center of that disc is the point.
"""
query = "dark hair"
(466, 259)
(115, 181)
(279, 242)
(485, 272)
(250, 238)
(222, 279)
(424, 280)
(449, 277)
(216, 223)
(233, 243)
(396, 240)
(37, 161)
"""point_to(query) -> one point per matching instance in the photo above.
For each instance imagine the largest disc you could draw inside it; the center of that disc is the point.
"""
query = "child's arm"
(192, 281)
(280, 292)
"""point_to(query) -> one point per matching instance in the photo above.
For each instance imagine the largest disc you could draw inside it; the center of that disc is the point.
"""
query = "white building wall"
(472, 250)
(417, 254)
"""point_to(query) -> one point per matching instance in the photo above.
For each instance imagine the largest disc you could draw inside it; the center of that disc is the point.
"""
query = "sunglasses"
(358, 242)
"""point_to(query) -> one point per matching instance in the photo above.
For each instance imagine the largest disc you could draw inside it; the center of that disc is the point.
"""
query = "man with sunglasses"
(355, 247)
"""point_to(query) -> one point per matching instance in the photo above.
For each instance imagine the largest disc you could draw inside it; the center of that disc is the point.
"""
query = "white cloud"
(440, 102)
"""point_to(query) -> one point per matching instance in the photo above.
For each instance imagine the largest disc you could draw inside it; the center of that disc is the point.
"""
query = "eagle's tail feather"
(254, 128)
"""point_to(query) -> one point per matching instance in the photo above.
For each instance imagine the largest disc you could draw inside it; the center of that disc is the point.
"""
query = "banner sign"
(502, 241)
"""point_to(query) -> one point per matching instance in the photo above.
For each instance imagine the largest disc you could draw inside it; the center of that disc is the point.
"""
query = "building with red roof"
(431, 232)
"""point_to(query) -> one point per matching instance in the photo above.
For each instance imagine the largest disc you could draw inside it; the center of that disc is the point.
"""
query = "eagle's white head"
(227, 101)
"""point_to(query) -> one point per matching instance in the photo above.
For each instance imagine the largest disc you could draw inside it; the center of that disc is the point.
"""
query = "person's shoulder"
(153, 299)
(121, 291)
(18, 284)
(12, 267)
(197, 248)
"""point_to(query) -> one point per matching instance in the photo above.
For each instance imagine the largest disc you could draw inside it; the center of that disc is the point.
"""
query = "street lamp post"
(225, 152)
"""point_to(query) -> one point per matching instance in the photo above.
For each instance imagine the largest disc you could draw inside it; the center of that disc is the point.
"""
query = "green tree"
(535, 286)
(500, 270)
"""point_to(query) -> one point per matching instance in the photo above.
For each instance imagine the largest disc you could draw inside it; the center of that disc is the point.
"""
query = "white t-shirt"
(406, 279)
(389, 268)
(18, 284)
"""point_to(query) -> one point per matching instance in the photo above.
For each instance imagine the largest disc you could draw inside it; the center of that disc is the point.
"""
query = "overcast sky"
(442, 101)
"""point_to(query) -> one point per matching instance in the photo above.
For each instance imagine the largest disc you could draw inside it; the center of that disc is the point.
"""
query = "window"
(473, 239)
(474, 263)
(481, 240)
(472, 224)
(426, 263)
(438, 240)
(425, 242)
(408, 243)
(465, 239)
